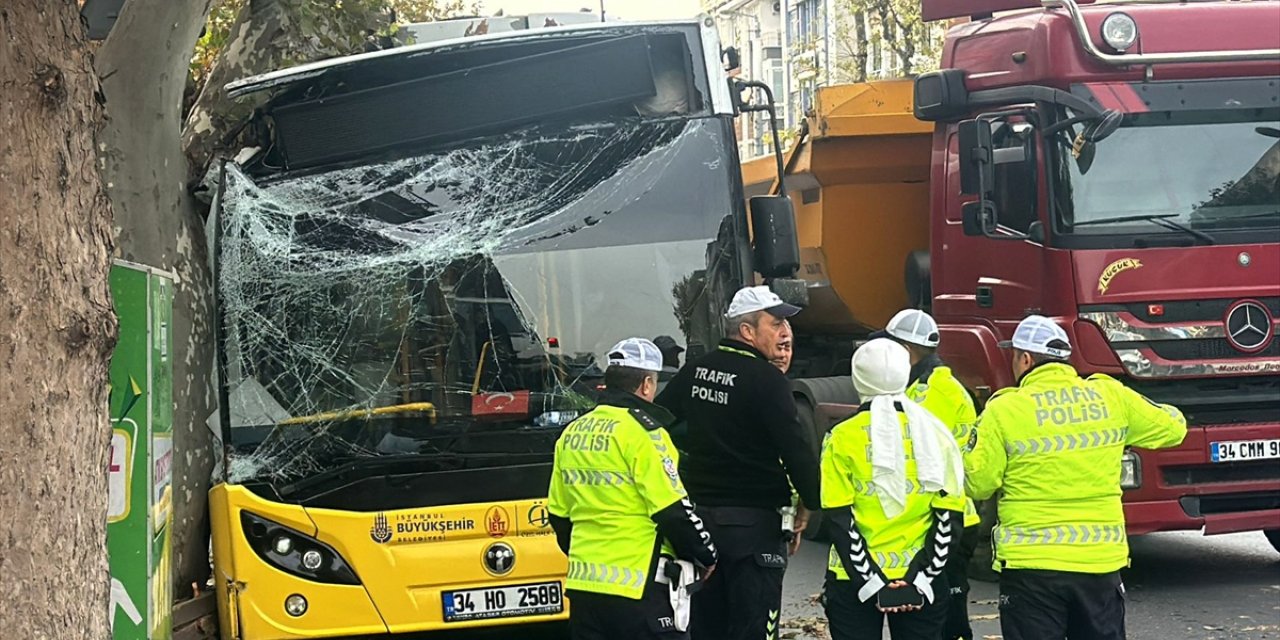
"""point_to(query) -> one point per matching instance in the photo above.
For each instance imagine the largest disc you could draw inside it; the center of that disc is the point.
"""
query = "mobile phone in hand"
(906, 596)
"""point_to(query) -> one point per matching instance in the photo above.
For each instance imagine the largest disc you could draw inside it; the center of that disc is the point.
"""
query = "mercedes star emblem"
(1248, 326)
(499, 559)
(1244, 258)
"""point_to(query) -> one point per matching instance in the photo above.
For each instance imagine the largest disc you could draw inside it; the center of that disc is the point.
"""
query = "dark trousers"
(852, 619)
(1052, 605)
(596, 616)
(743, 598)
(957, 626)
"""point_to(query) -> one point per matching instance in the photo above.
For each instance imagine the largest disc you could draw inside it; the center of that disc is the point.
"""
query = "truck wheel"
(1273, 536)
(810, 427)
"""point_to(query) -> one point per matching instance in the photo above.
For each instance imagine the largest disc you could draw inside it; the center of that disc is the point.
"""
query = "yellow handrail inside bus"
(484, 350)
(412, 407)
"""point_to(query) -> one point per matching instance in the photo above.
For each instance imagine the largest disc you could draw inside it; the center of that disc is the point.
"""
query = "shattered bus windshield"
(374, 312)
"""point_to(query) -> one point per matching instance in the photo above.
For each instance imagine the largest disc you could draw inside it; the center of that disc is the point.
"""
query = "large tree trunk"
(268, 35)
(57, 329)
(254, 46)
(863, 44)
(143, 66)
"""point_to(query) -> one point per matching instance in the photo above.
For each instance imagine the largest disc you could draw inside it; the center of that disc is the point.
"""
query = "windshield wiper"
(1244, 216)
(1162, 219)
(435, 462)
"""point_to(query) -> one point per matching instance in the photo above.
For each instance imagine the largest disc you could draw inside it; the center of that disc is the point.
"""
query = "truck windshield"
(378, 312)
(1209, 171)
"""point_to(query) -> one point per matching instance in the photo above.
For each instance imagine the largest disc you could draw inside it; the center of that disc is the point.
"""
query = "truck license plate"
(503, 602)
(1241, 450)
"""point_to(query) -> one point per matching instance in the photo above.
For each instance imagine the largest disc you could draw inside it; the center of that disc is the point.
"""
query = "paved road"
(1181, 586)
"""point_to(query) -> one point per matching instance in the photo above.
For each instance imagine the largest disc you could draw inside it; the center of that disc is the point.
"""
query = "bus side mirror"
(773, 224)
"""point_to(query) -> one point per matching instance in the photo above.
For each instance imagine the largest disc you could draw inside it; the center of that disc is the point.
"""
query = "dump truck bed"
(859, 181)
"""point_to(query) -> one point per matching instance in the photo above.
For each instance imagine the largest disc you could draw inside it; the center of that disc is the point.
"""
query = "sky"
(622, 9)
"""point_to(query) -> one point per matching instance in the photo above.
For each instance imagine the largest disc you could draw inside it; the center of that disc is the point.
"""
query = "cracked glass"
(457, 304)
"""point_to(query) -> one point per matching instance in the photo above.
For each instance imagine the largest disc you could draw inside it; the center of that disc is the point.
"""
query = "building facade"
(797, 46)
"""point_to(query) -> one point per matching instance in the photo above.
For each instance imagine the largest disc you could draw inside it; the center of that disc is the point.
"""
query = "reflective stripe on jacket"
(609, 477)
(846, 480)
(943, 395)
(1054, 445)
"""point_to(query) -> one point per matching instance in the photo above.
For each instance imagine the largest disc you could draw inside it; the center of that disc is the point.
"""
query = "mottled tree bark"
(863, 50)
(143, 66)
(57, 329)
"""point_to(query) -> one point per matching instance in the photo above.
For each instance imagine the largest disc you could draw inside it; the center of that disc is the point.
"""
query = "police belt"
(681, 579)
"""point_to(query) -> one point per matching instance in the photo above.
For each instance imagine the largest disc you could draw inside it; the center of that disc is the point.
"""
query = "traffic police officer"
(620, 511)
(1054, 445)
(742, 444)
(892, 495)
(935, 388)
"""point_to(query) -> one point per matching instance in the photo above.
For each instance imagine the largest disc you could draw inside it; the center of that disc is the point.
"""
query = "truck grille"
(1210, 349)
(1185, 310)
(1217, 401)
(1196, 506)
(1219, 473)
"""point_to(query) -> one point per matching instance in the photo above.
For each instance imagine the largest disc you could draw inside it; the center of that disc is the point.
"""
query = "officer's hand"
(800, 521)
(899, 584)
(707, 575)
(794, 545)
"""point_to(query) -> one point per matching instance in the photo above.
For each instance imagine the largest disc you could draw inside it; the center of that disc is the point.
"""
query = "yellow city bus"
(420, 264)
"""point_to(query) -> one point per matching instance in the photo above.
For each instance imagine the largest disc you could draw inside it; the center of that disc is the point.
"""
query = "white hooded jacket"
(881, 371)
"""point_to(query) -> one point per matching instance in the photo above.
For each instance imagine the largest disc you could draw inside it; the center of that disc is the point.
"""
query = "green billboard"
(140, 477)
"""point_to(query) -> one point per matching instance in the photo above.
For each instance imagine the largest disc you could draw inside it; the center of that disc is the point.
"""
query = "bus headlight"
(1119, 31)
(295, 605)
(283, 546)
(1130, 471)
(295, 553)
(312, 559)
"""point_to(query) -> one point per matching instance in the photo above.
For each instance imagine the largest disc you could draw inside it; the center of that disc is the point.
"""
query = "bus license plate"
(1241, 450)
(543, 598)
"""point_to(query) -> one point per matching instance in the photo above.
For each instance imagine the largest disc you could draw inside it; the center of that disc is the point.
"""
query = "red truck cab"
(1128, 157)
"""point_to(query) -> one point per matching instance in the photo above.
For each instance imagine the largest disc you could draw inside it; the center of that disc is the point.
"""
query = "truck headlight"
(1119, 31)
(1130, 471)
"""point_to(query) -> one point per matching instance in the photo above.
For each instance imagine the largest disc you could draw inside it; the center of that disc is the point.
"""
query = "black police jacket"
(743, 438)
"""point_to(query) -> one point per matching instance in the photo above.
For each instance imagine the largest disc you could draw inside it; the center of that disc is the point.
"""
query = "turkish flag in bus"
(515, 403)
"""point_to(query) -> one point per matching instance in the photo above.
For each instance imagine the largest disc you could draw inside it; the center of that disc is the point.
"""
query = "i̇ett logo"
(497, 521)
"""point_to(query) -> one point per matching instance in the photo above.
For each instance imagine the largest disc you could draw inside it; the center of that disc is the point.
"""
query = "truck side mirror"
(940, 95)
(773, 224)
(977, 166)
(1035, 232)
(978, 218)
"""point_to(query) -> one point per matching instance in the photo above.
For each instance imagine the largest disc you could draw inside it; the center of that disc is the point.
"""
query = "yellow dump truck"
(859, 178)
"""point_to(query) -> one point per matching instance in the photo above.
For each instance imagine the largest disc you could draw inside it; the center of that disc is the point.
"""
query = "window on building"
(803, 21)
(774, 76)
(805, 101)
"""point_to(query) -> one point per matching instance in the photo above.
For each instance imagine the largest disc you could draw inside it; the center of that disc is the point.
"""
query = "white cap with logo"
(636, 353)
(914, 326)
(1038, 334)
(752, 299)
